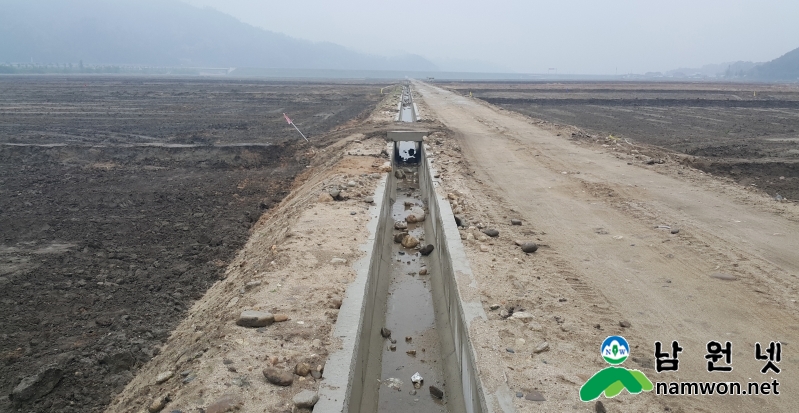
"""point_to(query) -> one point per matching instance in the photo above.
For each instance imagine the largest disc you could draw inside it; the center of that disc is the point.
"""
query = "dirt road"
(598, 209)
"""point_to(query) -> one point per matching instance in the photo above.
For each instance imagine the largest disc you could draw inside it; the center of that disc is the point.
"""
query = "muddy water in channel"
(410, 314)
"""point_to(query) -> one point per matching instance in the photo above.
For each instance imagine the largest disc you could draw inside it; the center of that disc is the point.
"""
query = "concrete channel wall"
(399, 110)
(448, 265)
(369, 347)
(349, 384)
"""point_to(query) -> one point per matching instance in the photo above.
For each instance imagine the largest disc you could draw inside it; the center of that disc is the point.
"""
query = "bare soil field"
(748, 132)
(121, 201)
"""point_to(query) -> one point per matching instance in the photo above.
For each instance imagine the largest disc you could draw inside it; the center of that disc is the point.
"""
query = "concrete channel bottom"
(413, 347)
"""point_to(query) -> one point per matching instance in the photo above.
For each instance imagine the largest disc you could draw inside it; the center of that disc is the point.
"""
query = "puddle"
(410, 313)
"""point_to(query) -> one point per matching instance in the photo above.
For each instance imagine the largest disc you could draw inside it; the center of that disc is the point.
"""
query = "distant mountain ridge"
(785, 68)
(165, 33)
(726, 69)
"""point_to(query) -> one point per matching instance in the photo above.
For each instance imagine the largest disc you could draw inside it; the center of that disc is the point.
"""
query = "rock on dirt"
(278, 377)
(400, 225)
(38, 385)
(535, 396)
(412, 219)
(723, 276)
(522, 315)
(416, 215)
(164, 376)
(426, 250)
(409, 241)
(305, 399)
(386, 333)
(516, 222)
(398, 237)
(529, 247)
(491, 232)
(252, 318)
(624, 324)
(158, 404)
(399, 174)
(226, 403)
(302, 369)
(325, 197)
(436, 392)
(542, 347)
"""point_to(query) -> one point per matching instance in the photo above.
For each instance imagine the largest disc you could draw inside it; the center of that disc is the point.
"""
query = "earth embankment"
(122, 200)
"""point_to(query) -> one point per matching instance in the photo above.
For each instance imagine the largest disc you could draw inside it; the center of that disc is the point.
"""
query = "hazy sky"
(577, 36)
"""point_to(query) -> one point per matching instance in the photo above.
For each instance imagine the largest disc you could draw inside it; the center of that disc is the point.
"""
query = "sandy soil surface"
(604, 267)
(747, 132)
(122, 200)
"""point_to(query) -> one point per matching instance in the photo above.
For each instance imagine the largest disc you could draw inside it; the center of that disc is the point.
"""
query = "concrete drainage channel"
(406, 109)
(403, 314)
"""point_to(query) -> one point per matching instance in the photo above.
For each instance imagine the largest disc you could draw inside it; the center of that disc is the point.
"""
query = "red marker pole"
(295, 127)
